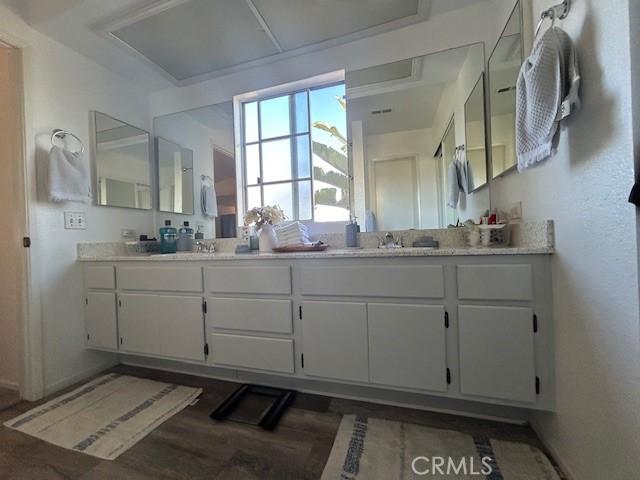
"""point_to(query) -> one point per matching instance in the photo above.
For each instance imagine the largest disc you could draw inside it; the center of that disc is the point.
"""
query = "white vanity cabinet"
(334, 340)
(164, 325)
(101, 320)
(467, 328)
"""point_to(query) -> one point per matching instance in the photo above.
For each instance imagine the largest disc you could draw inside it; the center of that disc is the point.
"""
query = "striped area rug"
(368, 448)
(107, 416)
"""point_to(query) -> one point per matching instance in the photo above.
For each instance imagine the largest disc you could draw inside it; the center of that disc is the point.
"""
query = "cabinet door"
(407, 346)
(497, 357)
(164, 325)
(334, 337)
(100, 319)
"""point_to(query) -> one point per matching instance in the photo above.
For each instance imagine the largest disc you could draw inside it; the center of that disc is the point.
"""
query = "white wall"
(595, 431)
(183, 129)
(61, 87)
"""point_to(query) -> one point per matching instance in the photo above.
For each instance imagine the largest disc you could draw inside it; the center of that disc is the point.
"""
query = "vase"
(268, 238)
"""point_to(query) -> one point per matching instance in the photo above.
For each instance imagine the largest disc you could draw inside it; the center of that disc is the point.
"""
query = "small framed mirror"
(122, 163)
(504, 67)
(475, 138)
(175, 177)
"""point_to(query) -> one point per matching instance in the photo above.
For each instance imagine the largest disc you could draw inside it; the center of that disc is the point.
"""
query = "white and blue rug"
(107, 416)
(369, 448)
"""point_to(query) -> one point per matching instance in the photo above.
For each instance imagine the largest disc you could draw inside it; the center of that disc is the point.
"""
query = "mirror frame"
(157, 138)
(519, 8)
(94, 161)
(481, 81)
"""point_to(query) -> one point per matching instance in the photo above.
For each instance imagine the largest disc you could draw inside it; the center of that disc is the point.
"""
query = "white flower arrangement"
(267, 215)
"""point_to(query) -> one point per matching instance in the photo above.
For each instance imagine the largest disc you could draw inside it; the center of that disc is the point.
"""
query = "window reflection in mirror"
(122, 163)
(195, 144)
(504, 66)
(403, 139)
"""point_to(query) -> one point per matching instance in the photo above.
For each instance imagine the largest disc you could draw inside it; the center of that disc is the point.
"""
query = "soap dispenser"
(185, 238)
(351, 233)
(168, 238)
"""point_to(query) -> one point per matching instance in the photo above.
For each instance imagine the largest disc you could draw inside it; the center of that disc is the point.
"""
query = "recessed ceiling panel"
(199, 36)
(299, 23)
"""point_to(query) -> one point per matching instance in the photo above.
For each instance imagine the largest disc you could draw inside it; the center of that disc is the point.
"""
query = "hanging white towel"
(209, 199)
(69, 179)
(547, 92)
(453, 185)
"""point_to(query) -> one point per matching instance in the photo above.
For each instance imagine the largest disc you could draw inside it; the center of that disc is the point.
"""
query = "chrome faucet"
(389, 241)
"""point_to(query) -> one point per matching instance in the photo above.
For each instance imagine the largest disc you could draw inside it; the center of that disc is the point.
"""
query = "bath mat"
(107, 416)
(369, 448)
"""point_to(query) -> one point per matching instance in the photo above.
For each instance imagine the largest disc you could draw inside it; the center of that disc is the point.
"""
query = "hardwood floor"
(8, 398)
(191, 446)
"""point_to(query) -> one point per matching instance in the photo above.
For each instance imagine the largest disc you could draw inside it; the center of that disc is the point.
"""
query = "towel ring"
(559, 12)
(59, 133)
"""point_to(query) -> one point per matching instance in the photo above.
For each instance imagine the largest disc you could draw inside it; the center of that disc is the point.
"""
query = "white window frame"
(316, 82)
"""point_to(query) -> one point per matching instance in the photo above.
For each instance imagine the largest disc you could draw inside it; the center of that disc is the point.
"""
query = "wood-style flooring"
(191, 446)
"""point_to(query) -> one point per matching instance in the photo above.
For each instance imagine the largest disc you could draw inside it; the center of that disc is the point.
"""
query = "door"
(163, 325)
(497, 358)
(100, 319)
(334, 340)
(395, 194)
(407, 346)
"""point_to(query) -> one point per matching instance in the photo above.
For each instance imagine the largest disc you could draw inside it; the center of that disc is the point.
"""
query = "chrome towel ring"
(59, 133)
(559, 12)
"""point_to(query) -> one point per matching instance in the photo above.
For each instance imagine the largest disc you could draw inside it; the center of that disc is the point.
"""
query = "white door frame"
(32, 375)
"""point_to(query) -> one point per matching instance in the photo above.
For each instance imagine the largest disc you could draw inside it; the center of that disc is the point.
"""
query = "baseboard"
(78, 377)
(553, 453)
(9, 385)
(367, 394)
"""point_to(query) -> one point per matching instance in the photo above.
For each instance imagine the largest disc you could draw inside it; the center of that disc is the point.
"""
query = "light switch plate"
(74, 221)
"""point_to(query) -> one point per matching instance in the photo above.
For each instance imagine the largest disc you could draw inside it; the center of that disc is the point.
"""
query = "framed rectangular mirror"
(504, 66)
(122, 163)
(475, 136)
(175, 177)
(403, 136)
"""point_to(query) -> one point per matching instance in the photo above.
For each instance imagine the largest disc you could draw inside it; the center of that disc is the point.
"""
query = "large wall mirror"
(195, 149)
(504, 66)
(407, 124)
(122, 163)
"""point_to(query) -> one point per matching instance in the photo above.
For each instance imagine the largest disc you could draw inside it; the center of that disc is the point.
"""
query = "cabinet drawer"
(99, 277)
(256, 280)
(271, 316)
(273, 354)
(160, 279)
(495, 282)
(378, 281)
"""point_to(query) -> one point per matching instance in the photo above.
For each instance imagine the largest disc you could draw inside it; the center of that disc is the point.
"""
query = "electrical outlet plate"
(75, 221)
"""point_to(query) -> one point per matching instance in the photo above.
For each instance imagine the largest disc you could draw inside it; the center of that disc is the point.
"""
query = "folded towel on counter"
(69, 179)
(547, 92)
(209, 200)
(294, 233)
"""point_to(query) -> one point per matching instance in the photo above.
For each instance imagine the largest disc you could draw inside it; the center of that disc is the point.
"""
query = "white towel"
(69, 179)
(547, 92)
(453, 185)
(209, 200)
(294, 233)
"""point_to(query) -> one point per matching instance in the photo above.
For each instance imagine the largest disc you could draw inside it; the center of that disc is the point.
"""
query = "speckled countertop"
(331, 253)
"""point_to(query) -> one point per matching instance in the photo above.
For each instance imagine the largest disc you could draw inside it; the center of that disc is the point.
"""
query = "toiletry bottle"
(351, 233)
(185, 238)
(168, 238)
(199, 234)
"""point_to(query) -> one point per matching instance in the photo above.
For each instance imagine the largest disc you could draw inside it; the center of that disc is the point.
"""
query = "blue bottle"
(168, 238)
(185, 238)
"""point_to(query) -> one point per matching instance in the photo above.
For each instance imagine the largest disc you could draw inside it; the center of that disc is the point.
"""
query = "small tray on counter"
(311, 247)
